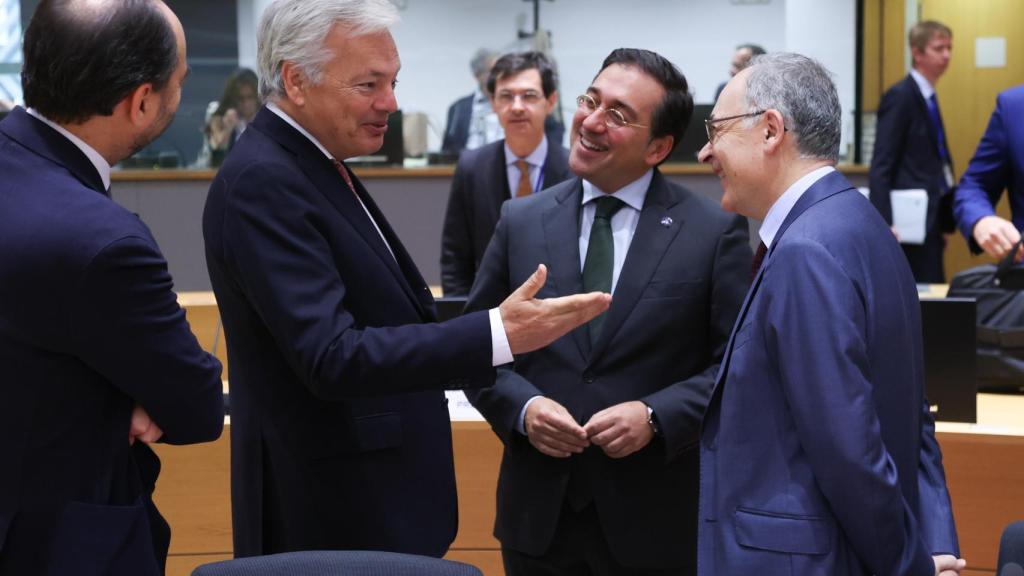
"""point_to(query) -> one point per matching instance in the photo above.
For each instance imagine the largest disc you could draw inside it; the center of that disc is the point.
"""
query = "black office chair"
(1011, 551)
(337, 563)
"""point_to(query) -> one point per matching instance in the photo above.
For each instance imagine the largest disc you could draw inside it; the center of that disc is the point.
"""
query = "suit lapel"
(561, 236)
(35, 135)
(922, 108)
(650, 241)
(321, 172)
(556, 165)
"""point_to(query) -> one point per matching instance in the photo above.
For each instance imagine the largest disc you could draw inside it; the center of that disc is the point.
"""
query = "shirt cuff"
(521, 422)
(501, 352)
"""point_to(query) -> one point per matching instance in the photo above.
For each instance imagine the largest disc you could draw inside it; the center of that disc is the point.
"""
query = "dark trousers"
(926, 259)
(578, 549)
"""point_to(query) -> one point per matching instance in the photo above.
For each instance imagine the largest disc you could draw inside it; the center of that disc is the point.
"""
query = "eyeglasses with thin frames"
(613, 118)
(713, 131)
(528, 98)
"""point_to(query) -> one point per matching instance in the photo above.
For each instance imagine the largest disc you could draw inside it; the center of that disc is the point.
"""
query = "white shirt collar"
(291, 122)
(923, 84)
(632, 194)
(101, 164)
(781, 208)
(535, 158)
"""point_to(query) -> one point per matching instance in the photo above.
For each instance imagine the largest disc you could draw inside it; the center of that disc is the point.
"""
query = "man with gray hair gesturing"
(817, 452)
(340, 436)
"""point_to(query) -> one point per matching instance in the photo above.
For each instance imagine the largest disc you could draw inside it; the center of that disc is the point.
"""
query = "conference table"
(984, 465)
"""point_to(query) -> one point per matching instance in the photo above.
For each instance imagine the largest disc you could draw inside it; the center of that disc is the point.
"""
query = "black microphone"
(1012, 569)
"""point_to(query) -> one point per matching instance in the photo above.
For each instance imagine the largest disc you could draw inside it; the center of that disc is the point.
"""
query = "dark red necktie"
(344, 174)
(758, 259)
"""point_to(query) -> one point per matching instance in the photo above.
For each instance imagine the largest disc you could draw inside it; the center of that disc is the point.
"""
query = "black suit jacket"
(456, 128)
(479, 187)
(678, 294)
(906, 155)
(340, 431)
(89, 327)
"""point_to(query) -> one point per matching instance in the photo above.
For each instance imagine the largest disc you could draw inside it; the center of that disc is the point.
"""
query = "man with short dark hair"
(98, 359)
(912, 151)
(340, 435)
(523, 90)
(600, 471)
(817, 452)
(740, 60)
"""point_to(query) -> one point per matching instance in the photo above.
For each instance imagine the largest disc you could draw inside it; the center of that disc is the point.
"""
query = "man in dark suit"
(523, 88)
(599, 474)
(911, 150)
(467, 124)
(998, 165)
(818, 456)
(340, 432)
(96, 353)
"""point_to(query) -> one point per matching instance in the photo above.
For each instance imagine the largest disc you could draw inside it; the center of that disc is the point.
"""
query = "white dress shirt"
(101, 164)
(782, 207)
(501, 351)
(535, 159)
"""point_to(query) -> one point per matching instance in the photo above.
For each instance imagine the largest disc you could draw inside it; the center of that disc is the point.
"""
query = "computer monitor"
(950, 340)
(449, 307)
(695, 136)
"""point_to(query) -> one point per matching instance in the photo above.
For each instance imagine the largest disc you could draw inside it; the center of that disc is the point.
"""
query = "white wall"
(436, 39)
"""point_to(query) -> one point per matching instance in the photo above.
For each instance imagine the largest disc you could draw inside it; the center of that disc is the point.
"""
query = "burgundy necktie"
(758, 259)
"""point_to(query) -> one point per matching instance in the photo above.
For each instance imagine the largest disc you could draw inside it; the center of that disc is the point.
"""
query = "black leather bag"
(999, 292)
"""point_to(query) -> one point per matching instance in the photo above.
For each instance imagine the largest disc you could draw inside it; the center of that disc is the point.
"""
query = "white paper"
(990, 52)
(459, 409)
(910, 214)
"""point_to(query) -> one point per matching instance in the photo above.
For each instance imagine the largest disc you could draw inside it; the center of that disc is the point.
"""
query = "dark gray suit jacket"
(678, 294)
(479, 187)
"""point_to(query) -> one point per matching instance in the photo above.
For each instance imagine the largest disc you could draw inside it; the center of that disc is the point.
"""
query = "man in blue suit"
(340, 434)
(524, 89)
(817, 453)
(97, 357)
(998, 165)
(599, 473)
(911, 150)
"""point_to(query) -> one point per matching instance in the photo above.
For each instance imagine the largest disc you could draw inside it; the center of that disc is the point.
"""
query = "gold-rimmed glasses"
(613, 118)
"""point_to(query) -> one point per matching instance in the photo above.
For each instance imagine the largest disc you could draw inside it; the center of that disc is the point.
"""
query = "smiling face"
(611, 157)
(521, 107)
(734, 155)
(347, 111)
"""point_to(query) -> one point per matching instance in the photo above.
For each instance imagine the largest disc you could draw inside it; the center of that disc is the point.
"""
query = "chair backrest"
(337, 563)
(1011, 551)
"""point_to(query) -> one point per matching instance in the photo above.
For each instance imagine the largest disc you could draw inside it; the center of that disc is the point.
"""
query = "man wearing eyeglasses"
(600, 470)
(523, 93)
(817, 453)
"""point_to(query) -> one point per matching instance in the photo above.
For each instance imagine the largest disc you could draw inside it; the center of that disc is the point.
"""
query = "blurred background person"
(228, 117)
(471, 120)
(740, 59)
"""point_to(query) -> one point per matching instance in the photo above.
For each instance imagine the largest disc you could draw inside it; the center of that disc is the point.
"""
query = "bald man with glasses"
(600, 471)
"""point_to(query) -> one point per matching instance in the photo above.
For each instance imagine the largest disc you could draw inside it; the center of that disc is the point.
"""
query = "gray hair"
(802, 90)
(295, 31)
(482, 60)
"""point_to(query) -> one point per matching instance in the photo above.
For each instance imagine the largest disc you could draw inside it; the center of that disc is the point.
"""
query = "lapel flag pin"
(666, 221)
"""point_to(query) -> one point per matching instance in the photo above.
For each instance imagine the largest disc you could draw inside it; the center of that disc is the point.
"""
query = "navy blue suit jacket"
(479, 187)
(998, 164)
(818, 456)
(678, 294)
(456, 128)
(89, 327)
(906, 156)
(340, 432)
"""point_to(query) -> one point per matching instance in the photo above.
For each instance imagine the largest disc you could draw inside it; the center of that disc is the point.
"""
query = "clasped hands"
(619, 430)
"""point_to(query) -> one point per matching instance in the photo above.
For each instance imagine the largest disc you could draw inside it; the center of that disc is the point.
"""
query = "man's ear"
(295, 83)
(143, 105)
(658, 149)
(774, 130)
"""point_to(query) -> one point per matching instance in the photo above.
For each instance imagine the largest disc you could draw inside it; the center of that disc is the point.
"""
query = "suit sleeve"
(501, 403)
(987, 176)
(680, 407)
(278, 254)
(126, 322)
(890, 142)
(457, 264)
(815, 331)
(938, 527)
